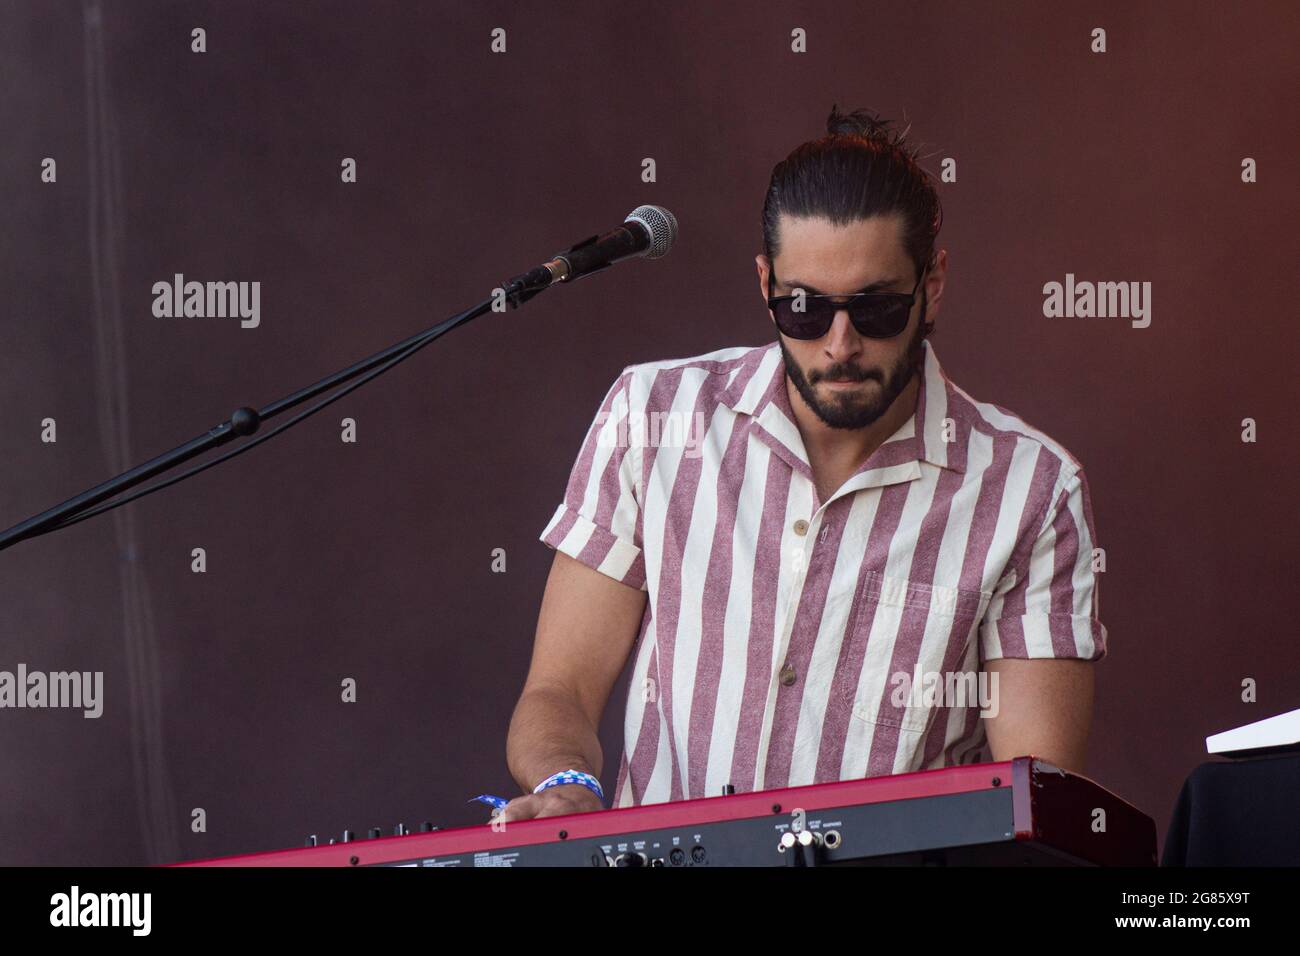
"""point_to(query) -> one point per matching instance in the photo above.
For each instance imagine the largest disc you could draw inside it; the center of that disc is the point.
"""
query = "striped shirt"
(787, 640)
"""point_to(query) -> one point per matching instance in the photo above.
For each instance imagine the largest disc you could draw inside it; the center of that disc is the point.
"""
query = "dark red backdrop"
(373, 560)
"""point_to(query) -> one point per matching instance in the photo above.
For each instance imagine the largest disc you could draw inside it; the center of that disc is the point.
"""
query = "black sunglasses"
(877, 315)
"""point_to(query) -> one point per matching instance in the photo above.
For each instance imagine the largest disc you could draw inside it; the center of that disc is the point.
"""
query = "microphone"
(648, 232)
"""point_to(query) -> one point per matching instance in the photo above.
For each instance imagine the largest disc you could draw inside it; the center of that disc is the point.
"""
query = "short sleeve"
(1047, 606)
(598, 522)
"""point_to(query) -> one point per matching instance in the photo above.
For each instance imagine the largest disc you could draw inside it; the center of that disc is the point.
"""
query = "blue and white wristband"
(554, 780)
(572, 776)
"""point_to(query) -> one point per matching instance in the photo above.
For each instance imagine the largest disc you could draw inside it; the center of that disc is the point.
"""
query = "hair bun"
(857, 123)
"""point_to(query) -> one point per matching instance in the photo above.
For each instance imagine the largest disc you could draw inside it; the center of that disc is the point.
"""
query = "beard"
(858, 410)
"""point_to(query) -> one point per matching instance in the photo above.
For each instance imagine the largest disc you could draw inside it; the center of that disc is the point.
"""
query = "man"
(824, 541)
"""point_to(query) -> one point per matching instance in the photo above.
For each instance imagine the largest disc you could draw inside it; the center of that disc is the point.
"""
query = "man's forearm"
(549, 732)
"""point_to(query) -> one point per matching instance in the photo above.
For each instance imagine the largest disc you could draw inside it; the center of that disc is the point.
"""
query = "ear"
(764, 266)
(935, 281)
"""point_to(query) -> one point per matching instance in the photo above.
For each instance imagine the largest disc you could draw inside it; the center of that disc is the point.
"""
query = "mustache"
(845, 375)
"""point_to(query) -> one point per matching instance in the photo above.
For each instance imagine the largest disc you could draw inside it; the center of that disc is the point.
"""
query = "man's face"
(847, 379)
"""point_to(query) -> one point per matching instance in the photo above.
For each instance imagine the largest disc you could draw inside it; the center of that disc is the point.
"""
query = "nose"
(842, 342)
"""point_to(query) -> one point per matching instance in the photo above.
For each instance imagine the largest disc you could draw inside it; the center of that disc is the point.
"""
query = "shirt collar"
(940, 439)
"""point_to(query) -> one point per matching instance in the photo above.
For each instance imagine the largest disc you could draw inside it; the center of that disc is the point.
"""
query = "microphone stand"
(245, 421)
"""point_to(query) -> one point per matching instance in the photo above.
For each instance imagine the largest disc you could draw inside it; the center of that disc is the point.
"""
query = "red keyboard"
(1016, 812)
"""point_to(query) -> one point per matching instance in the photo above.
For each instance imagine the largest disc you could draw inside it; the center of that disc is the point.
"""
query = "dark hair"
(860, 169)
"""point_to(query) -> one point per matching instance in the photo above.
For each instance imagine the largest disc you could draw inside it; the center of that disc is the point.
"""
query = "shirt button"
(787, 674)
(801, 527)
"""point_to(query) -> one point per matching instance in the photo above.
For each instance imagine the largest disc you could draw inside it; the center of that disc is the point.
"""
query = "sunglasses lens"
(811, 323)
(880, 318)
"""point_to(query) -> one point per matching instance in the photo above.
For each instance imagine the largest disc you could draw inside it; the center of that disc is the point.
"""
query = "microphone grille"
(662, 226)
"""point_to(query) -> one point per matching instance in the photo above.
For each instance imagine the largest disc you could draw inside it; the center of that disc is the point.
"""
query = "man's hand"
(551, 802)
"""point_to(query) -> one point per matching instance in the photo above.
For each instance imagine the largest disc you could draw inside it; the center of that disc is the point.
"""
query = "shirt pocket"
(904, 627)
